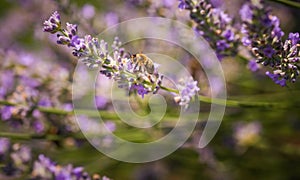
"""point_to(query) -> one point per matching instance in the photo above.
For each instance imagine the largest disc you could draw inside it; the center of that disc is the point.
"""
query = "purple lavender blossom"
(187, 90)
(45, 168)
(118, 66)
(140, 89)
(222, 45)
(111, 19)
(294, 38)
(263, 37)
(45, 102)
(214, 25)
(53, 24)
(277, 79)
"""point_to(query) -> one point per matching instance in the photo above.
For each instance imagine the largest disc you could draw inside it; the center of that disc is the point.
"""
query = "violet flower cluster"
(95, 53)
(28, 85)
(17, 159)
(188, 88)
(263, 36)
(214, 25)
(44, 168)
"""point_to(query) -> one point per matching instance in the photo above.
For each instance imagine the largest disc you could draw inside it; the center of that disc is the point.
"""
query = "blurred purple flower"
(228, 34)
(7, 82)
(4, 145)
(28, 81)
(68, 107)
(247, 134)
(45, 102)
(111, 126)
(44, 168)
(38, 126)
(88, 11)
(217, 3)
(253, 66)
(21, 154)
(101, 102)
(111, 19)
(222, 45)
(6, 112)
(294, 38)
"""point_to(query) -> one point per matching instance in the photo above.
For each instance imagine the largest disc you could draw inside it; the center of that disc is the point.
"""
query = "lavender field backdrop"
(48, 46)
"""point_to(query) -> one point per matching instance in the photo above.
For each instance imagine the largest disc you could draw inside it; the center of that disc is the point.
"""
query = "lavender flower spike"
(118, 66)
(187, 90)
(263, 37)
(53, 24)
(214, 25)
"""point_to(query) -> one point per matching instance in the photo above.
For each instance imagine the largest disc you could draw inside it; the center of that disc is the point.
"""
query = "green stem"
(287, 2)
(169, 89)
(23, 136)
(241, 104)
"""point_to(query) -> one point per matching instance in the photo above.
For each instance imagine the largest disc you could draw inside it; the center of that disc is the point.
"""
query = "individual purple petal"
(222, 45)
(141, 90)
(246, 41)
(77, 172)
(246, 13)
(253, 66)
(294, 37)
(281, 82)
(183, 4)
(72, 29)
(269, 51)
(228, 34)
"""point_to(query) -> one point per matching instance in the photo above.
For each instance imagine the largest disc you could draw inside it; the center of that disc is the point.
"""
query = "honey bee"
(142, 63)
